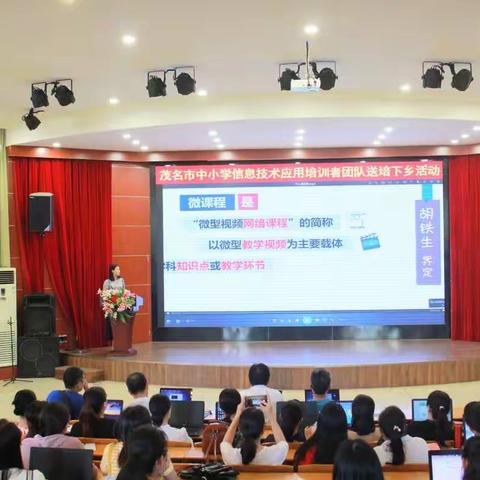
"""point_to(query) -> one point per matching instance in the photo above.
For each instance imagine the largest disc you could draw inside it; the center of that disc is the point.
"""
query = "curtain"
(4, 221)
(77, 253)
(464, 186)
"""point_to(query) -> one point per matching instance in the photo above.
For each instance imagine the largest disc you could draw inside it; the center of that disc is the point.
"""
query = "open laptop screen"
(445, 464)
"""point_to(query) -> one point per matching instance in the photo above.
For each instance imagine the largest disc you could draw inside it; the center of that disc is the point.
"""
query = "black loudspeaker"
(40, 212)
(37, 356)
(38, 315)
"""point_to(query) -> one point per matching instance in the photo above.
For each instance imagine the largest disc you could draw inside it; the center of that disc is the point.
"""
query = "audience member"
(32, 415)
(74, 381)
(138, 388)
(471, 459)
(228, 401)
(471, 415)
(363, 423)
(11, 466)
(22, 399)
(291, 415)
(92, 422)
(161, 409)
(147, 456)
(437, 427)
(259, 376)
(115, 454)
(54, 419)
(356, 460)
(398, 447)
(320, 381)
(251, 422)
(324, 438)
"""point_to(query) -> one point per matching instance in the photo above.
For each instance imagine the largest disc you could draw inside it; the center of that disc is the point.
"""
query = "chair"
(212, 438)
(62, 463)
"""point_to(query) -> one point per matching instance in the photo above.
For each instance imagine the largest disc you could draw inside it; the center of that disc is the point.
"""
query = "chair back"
(212, 438)
(62, 463)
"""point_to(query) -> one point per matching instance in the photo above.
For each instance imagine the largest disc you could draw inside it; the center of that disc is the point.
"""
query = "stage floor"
(353, 364)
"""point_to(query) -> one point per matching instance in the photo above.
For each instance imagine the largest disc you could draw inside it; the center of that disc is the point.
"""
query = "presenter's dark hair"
(71, 377)
(22, 399)
(130, 419)
(93, 401)
(471, 459)
(136, 383)
(440, 405)
(363, 409)
(259, 374)
(320, 381)
(356, 460)
(145, 447)
(54, 419)
(111, 268)
(330, 433)
(10, 439)
(290, 417)
(32, 415)
(159, 406)
(392, 423)
(471, 415)
(229, 400)
(251, 425)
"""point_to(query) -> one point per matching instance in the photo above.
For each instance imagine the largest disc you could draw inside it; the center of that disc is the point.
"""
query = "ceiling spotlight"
(212, 133)
(381, 136)
(432, 78)
(156, 86)
(202, 93)
(454, 141)
(135, 142)
(301, 131)
(56, 144)
(377, 142)
(310, 29)
(326, 75)
(129, 40)
(39, 97)
(465, 135)
(298, 144)
(476, 128)
(144, 148)
(388, 129)
(126, 136)
(31, 121)
(185, 83)
(220, 146)
(217, 140)
(286, 79)
(63, 94)
(405, 87)
(113, 101)
(299, 138)
(461, 80)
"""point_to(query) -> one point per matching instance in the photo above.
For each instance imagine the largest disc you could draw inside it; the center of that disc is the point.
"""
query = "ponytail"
(251, 425)
(248, 450)
(290, 418)
(94, 400)
(392, 423)
(440, 404)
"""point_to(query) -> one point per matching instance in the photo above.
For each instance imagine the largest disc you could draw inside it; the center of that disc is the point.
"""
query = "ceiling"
(236, 48)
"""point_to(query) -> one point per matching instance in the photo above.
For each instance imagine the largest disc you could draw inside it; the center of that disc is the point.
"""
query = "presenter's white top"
(176, 434)
(273, 455)
(415, 448)
(118, 284)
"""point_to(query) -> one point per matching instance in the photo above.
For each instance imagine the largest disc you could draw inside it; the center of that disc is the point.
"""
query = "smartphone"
(255, 401)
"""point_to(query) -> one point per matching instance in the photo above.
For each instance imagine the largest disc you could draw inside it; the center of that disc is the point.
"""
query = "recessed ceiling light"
(363, 161)
(406, 87)
(377, 142)
(113, 101)
(232, 164)
(388, 129)
(126, 136)
(168, 165)
(56, 144)
(298, 163)
(382, 136)
(476, 128)
(202, 92)
(298, 145)
(212, 133)
(300, 131)
(217, 140)
(454, 141)
(310, 29)
(465, 135)
(135, 142)
(220, 146)
(144, 148)
(129, 40)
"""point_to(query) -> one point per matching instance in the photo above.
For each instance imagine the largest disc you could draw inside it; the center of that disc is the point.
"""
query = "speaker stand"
(13, 378)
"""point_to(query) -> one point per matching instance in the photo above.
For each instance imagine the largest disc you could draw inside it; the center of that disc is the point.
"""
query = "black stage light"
(31, 121)
(156, 87)
(39, 97)
(63, 94)
(286, 79)
(185, 83)
(462, 79)
(433, 77)
(326, 76)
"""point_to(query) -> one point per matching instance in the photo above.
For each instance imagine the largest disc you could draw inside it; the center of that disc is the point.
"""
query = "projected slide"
(303, 245)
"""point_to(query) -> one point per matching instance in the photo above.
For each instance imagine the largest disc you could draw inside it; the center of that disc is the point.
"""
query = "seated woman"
(54, 419)
(291, 415)
(250, 423)
(32, 416)
(161, 409)
(471, 415)
(437, 427)
(147, 456)
(399, 448)
(22, 399)
(363, 423)
(228, 401)
(329, 433)
(10, 456)
(91, 422)
(115, 454)
(471, 459)
(356, 460)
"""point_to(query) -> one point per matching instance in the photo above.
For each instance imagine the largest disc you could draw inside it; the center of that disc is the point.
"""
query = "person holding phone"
(250, 422)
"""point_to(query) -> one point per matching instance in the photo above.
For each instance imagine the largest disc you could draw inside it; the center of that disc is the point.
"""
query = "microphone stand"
(13, 377)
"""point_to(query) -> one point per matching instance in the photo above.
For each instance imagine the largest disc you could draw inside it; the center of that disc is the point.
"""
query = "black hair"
(93, 401)
(22, 399)
(130, 419)
(159, 406)
(259, 374)
(290, 418)
(10, 439)
(54, 419)
(251, 425)
(228, 400)
(363, 409)
(356, 460)
(330, 433)
(32, 415)
(146, 445)
(440, 404)
(320, 381)
(71, 377)
(471, 415)
(392, 423)
(111, 268)
(136, 382)
(471, 458)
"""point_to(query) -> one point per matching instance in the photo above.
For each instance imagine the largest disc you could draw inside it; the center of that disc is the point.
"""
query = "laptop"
(177, 394)
(114, 408)
(219, 413)
(445, 464)
(62, 463)
(333, 394)
(420, 410)
(347, 407)
(188, 414)
(467, 433)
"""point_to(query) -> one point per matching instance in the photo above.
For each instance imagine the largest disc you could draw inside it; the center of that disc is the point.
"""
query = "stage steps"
(93, 374)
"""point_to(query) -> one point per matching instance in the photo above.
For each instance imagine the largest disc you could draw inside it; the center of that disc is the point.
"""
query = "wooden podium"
(122, 337)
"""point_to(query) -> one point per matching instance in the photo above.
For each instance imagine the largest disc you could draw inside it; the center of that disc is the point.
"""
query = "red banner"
(294, 173)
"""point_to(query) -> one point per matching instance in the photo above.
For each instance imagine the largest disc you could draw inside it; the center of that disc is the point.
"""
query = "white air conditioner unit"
(8, 316)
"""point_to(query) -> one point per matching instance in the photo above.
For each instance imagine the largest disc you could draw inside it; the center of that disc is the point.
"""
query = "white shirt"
(273, 455)
(142, 401)
(19, 474)
(176, 434)
(415, 448)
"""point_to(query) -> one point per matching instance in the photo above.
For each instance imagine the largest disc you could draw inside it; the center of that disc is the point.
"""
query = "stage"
(353, 364)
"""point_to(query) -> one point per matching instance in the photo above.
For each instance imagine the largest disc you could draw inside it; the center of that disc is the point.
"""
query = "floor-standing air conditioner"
(8, 316)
